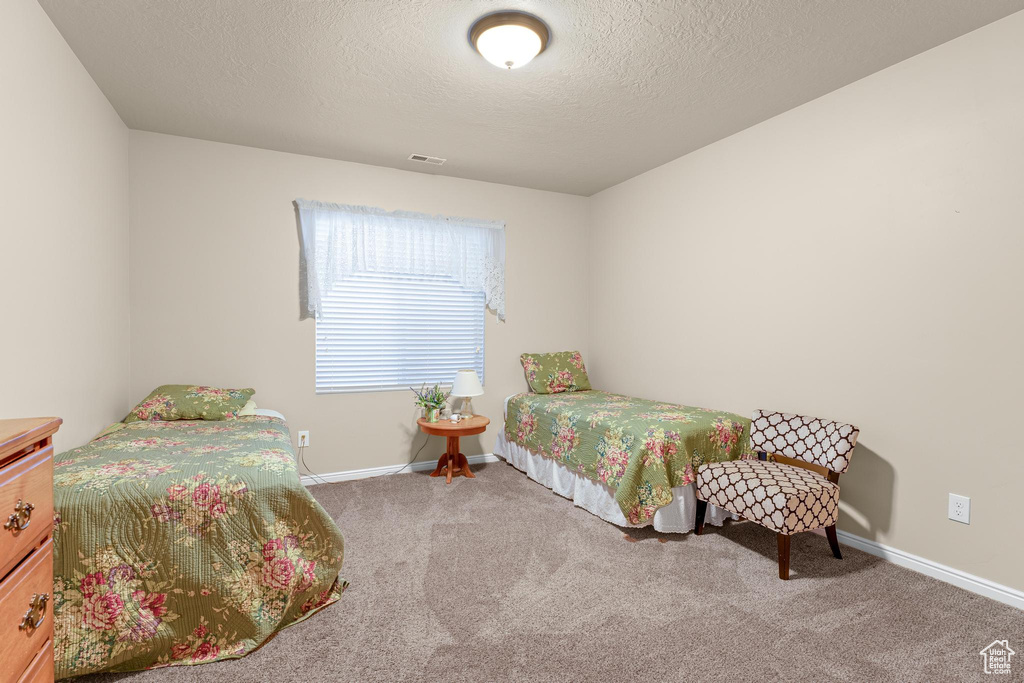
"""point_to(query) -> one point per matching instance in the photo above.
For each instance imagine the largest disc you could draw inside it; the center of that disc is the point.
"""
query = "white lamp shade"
(467, 384)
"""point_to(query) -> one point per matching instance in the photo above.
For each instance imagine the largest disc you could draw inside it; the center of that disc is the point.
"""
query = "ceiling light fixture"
(509, 39)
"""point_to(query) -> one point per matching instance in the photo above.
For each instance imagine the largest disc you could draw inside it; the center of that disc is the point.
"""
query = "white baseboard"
(418, 466)
(975, 584)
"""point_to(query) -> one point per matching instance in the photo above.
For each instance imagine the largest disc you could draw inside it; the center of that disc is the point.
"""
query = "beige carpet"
(497, 578)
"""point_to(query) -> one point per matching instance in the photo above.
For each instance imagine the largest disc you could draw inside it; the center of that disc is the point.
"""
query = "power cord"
(320, 480)
(302, 459)
(415, 455)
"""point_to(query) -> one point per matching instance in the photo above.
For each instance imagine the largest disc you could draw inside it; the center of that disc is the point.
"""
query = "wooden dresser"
(26, 555)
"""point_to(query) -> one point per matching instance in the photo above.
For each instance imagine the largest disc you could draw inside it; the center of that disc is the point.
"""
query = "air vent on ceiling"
(437, 161)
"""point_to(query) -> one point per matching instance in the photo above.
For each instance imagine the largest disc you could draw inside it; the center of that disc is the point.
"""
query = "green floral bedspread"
(184, 542)
(640, 449)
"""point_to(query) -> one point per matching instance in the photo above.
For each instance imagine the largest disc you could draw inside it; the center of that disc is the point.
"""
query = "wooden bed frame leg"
(783, 556)
(833, 541)
(698, 521)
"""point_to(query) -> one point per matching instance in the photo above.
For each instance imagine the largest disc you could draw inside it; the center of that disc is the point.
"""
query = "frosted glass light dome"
(509, 40)
(508, 46)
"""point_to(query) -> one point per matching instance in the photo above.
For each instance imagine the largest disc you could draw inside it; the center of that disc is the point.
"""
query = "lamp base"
(467, 407)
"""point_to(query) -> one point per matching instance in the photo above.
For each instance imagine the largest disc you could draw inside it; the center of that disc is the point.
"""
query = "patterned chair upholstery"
(781, 497)
(819, 442)
(798, 491)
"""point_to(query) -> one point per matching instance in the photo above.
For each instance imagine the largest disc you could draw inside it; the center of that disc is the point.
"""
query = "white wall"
(856, 258)
(64, 236)
(215, 293)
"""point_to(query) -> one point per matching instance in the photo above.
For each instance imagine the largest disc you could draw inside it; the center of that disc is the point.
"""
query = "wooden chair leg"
(833, 541)
(783, 556)
(698, 521)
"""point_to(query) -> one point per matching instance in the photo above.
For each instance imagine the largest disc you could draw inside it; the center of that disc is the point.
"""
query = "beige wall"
(214, 285)
(885, 216)
(855, 258)
(64, 235)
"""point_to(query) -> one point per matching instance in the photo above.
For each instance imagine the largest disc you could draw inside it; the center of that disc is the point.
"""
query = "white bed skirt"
(595, 498)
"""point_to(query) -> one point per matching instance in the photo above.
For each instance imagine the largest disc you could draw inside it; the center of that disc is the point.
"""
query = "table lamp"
(465, 386)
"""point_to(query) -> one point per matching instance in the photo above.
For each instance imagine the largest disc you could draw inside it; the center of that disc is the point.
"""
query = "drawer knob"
(19, 521)
(36, 614)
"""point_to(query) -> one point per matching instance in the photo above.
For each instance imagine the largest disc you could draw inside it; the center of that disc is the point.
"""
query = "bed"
(184, 542)
(630, 461)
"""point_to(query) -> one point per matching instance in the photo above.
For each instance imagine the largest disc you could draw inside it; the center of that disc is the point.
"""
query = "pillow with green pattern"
(553, 373)
(190, 402)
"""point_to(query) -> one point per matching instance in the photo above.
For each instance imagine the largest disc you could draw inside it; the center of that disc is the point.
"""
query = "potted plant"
(432, 400)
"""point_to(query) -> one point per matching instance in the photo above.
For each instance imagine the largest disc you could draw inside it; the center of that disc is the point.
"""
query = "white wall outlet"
(960, 508)
(304, 441)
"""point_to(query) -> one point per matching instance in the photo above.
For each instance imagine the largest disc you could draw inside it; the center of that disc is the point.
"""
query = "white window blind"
(381, 332)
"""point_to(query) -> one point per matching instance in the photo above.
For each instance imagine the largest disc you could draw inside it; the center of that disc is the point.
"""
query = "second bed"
(630, 461)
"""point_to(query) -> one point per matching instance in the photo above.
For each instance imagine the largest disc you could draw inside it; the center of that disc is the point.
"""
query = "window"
(399, 298)
(380, 332)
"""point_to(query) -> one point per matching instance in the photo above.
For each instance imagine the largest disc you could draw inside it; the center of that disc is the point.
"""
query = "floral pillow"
(553, 373)
(190, 402)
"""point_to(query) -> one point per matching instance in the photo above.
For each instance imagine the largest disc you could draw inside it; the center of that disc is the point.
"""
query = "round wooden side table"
(454, 463)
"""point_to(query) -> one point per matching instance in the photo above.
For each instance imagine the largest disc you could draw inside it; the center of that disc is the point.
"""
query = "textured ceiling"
(624, 86)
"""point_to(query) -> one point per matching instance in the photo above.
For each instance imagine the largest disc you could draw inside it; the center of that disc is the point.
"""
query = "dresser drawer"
(41, 668)
(19, 646)
(30, 481)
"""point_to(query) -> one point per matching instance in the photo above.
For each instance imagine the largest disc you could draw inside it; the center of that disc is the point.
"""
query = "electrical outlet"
(304, 441)
(960, 508)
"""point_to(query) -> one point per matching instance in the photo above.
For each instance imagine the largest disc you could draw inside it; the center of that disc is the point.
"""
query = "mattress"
(184, 542)
(676, 516)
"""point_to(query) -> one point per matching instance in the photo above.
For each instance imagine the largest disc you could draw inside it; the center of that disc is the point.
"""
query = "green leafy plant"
(432, 397)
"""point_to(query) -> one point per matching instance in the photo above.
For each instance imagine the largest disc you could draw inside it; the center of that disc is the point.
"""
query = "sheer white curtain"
(340, 240)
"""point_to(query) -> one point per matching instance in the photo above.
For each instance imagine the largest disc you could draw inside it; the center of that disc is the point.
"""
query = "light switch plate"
(960, 508)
